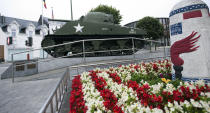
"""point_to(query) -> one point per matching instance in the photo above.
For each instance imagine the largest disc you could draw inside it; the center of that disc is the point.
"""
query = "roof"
(5, 21)
(23, 23)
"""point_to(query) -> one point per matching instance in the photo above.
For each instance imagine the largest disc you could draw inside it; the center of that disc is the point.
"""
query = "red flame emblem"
(185, 45)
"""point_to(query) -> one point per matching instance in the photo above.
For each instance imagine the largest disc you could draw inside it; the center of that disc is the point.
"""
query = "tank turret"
(98, 17)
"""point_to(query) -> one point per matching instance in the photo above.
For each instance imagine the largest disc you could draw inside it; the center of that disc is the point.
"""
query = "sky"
(131, 10)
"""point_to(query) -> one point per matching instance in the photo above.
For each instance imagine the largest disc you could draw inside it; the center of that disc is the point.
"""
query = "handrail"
(84, 40)
(46, 60)
(63, 84)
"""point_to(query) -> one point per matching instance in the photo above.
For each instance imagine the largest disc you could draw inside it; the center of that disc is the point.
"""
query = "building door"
(1, 53)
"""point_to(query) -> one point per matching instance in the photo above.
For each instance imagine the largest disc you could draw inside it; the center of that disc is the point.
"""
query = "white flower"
(147, 110)
(186, 103)
(186, 84)
(156, 88)
(200, 83)
(155, 110)
(172, 109)
(166, 109)
(169, 88)
(195, 103)
(207, 94)
(205, 105)
(170, 104)
(177, 106)
(202, 94)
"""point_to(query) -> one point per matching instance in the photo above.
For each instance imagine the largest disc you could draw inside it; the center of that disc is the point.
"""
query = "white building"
(18, 35)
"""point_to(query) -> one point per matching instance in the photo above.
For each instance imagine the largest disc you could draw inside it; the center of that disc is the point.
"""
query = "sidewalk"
(27, 96)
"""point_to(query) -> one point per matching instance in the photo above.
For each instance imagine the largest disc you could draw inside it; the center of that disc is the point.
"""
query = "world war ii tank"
(95, 25)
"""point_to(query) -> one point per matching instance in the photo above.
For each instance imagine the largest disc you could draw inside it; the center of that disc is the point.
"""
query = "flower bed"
(144, 87)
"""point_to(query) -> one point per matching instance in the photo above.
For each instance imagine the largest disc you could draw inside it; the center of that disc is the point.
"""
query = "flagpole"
(52, 13)
(71, 10)
(42, 11)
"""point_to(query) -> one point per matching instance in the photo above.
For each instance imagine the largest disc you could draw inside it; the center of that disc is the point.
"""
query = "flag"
(52, 14)
(45, 4)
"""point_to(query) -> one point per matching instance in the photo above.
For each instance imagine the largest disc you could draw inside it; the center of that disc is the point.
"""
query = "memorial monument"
(190, 39)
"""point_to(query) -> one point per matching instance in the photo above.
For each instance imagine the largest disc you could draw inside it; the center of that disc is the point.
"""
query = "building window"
(9, 40)
(13, 32)
(29, 42)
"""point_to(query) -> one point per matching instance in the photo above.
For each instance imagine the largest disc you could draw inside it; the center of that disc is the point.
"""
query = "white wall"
(19, 42)
(3, 41)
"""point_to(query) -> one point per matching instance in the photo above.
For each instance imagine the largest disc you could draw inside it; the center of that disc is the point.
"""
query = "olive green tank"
(95, 25)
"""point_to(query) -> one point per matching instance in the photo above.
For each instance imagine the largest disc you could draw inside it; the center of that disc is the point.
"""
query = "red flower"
(155, 67)
(77, 103)
(133, 84)
(115, 77)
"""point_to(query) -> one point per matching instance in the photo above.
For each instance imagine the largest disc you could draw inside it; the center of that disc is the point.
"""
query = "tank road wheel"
(104, 46)
(111, 47)
(77, 48)
(116, 51)
(96, 45)
(128, 45)
(115, 47)
(121, 43)
(60, 51)
(68, 47)
(89, 48)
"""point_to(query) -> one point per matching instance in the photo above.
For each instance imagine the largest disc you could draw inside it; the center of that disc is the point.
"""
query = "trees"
(152, 26)
(109, 10)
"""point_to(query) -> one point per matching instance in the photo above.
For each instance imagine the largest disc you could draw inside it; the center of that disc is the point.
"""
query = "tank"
(95, 25)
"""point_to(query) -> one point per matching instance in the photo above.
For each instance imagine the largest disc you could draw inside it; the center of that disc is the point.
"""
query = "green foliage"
(152, 26)
(109, 10)
(130, 100)
(192, 109)
(151, 79)
(176, 82)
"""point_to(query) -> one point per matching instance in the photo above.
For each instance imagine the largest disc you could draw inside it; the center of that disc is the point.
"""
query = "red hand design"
(183, 46)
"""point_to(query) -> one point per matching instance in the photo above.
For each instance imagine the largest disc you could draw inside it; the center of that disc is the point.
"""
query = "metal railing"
(84, 52)
(56, 98)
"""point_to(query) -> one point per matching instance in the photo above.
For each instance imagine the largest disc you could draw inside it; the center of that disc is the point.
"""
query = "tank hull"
(112, 44)
(92, 26)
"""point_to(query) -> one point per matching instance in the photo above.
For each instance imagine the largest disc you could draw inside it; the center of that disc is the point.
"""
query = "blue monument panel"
(176, 29)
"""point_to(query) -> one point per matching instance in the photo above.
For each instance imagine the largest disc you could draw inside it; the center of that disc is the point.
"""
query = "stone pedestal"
(186, 17)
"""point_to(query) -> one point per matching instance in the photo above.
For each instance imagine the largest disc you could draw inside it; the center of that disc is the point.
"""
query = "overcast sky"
(131, 10)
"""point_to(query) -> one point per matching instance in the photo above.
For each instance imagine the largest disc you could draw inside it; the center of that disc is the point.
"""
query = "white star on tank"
(78, 28)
